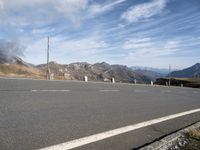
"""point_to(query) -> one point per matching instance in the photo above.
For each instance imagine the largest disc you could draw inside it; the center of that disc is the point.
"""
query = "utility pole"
(48, 70)
(169, 74)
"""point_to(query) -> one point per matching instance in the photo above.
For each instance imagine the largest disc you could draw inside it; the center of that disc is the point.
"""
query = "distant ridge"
(157, 70)
(96, 72)
(191, 72)
(14, 66)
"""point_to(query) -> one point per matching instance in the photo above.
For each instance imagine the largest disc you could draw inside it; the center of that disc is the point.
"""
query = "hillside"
(16, 67)
(191, 72)
(186, 82)
(150, 74)
(160, 71)
(95, 72)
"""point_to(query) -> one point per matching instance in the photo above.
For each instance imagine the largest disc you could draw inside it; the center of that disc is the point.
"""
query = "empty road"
(37, 114)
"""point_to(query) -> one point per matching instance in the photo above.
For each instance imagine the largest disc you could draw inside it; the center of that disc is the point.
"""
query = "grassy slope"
(15, 70)
(188, 82)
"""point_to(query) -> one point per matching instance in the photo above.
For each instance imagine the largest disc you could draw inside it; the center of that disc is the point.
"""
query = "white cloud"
(147, 48)
(35, 51)
(84, 46)
(137, 43)
(42, 30)
(144, 11)
(172, 44)
(63, 50)
(96, 9)
(1, 4)
(41, 12)
(72, 9)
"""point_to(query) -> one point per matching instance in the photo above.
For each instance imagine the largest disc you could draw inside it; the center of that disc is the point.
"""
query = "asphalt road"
(36, 114)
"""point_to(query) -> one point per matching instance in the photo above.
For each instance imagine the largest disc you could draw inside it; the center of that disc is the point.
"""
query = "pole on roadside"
(48, 71)
(135, 81)
(169, 75)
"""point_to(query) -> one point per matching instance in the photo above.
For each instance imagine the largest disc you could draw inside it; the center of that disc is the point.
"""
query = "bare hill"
(96, 72)
(190, 72)
(16, 67)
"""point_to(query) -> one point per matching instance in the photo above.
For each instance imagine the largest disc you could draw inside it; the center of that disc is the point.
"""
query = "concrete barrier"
(113, 80)
(135, 81)
(85, 78)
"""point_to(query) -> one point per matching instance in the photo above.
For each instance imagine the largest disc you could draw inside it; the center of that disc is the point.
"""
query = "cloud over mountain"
(10, 49)
(116, 31)
(144, 11)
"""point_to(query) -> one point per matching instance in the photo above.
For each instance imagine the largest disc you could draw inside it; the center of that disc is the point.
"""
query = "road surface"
(37, 114)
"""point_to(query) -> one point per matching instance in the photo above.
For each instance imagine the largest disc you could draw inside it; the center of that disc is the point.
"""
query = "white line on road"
(165, 91)
(104, 135)
(182, 92)
(109, 90)
(140, 91)
(50, 90)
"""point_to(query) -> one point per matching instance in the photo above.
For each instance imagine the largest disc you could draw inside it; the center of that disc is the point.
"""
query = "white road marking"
(165, 91)
(182, 92)
(140, 91)
(104, 135)
(109, 90)
(50, 90)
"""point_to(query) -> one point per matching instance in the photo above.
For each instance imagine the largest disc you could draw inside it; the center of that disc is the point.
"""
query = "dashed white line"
(140, 91)
(182, 92)
(50, 90)
(109, 90)
(165, 91)
(104, 135)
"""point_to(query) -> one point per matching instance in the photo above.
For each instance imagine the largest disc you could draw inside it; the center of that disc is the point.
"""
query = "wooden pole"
(48, 71)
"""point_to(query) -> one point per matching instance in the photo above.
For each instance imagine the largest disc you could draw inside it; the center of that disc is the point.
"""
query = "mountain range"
(161, 71)
(16, 67)
(191, 72)
(95, 72)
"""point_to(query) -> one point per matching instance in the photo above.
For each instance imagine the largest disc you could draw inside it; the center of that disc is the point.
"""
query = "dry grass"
(194, 134)
(15, 70)
(189, 79)
(18, 69)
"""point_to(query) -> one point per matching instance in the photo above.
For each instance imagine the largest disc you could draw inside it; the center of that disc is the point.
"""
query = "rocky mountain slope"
(191, 72)
(150, 74)
(160, 71)
(96, 72)
(16, 67)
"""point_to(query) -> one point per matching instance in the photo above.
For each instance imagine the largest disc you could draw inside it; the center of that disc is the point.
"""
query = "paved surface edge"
(169, 140)
(104, 135)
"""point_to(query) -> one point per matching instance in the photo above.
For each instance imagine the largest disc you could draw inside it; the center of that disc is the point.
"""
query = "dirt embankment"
(186, 82)
(190, 141)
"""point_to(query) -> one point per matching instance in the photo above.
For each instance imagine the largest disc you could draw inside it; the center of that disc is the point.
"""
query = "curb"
(168, 141)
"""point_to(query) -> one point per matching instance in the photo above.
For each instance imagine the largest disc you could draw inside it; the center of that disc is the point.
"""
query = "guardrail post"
(85, 78)
(135, 81)
(113, 80)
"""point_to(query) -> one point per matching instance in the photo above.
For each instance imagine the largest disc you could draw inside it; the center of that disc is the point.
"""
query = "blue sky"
(152, 33)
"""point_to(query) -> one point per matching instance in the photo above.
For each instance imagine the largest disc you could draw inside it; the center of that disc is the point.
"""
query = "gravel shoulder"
(185, 139)
(189, 141)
